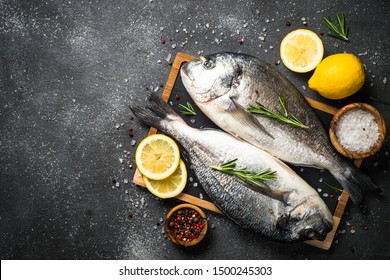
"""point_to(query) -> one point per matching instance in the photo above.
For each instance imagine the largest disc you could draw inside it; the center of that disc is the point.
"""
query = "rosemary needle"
(281, 116)
(248, 176)
(340, 32)
(187, 109)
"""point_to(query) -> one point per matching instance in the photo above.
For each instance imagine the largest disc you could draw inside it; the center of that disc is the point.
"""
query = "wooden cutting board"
(175, 90)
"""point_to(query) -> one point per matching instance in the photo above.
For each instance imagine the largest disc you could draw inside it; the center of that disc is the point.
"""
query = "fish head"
(307, 221)
(209, 77)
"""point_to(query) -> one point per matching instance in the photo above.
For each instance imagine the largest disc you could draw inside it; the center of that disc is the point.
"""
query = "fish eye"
(208, 64)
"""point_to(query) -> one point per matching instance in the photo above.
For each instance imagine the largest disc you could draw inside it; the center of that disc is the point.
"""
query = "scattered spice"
(186, 224)
(322, 33)
(177, 97)
(241, 41)
(288, 23)
(163, 41)
(129, 215)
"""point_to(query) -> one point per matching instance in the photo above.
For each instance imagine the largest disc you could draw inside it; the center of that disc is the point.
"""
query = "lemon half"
(157, 156)
(171, 186)
(301, 50)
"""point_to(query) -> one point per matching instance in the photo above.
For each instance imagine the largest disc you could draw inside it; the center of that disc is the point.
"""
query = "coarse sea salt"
(357, 130)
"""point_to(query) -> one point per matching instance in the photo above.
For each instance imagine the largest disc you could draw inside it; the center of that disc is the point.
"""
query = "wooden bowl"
(169, 231)
(364, 153)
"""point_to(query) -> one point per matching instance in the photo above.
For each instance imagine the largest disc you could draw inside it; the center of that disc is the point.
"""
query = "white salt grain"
(357, 130)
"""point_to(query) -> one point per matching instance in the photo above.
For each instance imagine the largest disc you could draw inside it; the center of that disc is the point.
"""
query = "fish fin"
(355, 182)
(246, 118)
(264, 189)
(156, 113)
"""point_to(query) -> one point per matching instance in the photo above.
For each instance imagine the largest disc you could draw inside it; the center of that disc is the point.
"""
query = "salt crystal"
(121, 160)
(357, 130)
(304, 87)
(319, 190)
(191, 179)
(320, 180)
(261, 38)
(117, 184)
(201, 196)
(384, 80)
(173, 46)
(125, 181)
(325, 195)
(132, 143)
(156, 89)
(117, 126)
(266, 20)
(207, 25)
(264, 29)
(192, 120)
(168, 59)
(195, 185)
(245, 24)
(161, 28)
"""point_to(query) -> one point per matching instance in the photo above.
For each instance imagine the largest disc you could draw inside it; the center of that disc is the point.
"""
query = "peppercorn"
(241, 41)
(162, 41)
(186, 224)
(288, 23)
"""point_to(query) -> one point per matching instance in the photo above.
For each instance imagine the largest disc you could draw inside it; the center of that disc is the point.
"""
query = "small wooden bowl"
(358, 154)
(186, 243)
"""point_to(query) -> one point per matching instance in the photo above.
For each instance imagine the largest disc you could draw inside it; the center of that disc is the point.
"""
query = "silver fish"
(225, 85)
(286, 209)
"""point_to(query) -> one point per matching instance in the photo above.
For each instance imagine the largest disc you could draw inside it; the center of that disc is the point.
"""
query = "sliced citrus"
(157, 156)
(171, 186)
(301, 50)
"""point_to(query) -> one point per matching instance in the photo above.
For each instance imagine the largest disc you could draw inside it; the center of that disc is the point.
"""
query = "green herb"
(380, 100)
(248, 176)
(187, 109)
(332, 187)
(281, 116)
(340, 32)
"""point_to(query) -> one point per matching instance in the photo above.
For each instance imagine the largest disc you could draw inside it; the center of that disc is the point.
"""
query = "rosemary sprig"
(380, 100)
(340, 32)
(248, 176)
(332, 187)
(187, 109)
(281, 116)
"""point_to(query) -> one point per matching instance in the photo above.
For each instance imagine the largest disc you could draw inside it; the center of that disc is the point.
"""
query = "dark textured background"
(69, 70)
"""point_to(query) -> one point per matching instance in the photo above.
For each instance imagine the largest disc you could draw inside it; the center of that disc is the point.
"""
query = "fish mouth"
(318, 231)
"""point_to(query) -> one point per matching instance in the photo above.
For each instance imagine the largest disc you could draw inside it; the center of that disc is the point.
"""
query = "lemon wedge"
(301, 50)
(171, 186)
(157, 156)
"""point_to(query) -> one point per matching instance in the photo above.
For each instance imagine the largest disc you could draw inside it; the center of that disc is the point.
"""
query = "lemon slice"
(157, 156)
(301, 50)
(171, 186)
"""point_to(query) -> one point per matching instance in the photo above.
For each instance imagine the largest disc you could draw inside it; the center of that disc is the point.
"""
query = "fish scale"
(290, 211)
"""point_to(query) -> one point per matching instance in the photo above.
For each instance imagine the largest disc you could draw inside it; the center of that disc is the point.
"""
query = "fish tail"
(355, 182)
(156, 113)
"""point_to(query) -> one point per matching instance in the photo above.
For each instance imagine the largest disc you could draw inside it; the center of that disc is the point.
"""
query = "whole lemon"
(338, 76)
